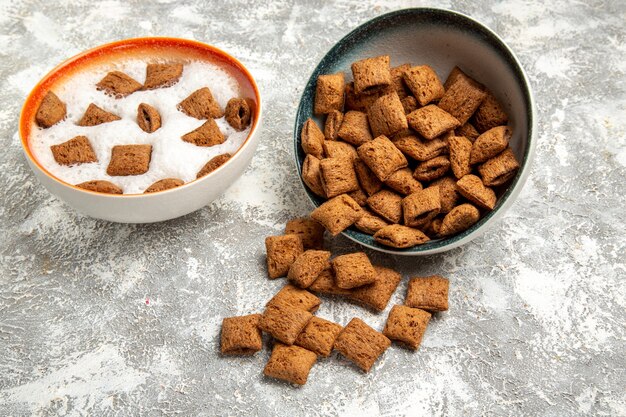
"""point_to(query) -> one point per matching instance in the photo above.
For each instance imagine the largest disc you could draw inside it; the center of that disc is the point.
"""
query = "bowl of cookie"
(415, 132)
(142, 130)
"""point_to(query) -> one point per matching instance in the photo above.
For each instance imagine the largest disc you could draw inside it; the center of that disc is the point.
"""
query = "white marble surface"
(108, 319)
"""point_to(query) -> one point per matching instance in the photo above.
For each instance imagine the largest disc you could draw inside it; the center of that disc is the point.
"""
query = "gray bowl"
(441, 39)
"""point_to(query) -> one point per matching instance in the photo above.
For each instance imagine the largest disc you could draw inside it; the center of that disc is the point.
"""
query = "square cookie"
(241, 335)
(306, 268)
(319, 336)
(386, 116)
(353, 270)
(382, 157)
(371, 74)
(282, 251)
(75, 151)
(295, 297)
(406, 325)
(428, 293)
(311, 232)
(129, 160)
(361, 344)
(431, 121)
(338, 213)
(377, 295)
(283, 322)
(290, 363)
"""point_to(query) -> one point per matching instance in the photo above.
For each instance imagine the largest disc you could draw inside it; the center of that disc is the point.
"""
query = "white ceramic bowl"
(441, 39)
(152, 207)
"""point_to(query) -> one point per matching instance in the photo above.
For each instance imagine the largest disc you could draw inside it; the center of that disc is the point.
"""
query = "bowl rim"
(146, 41)
(511, 193)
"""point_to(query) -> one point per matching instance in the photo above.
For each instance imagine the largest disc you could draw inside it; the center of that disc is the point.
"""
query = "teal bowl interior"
(441, 39)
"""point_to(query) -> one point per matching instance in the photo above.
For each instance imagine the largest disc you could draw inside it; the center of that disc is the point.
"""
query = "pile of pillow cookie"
(403, 156)
(300, 337)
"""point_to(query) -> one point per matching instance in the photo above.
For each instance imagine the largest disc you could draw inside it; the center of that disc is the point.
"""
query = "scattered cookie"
(283, 322)
(406, 325)
(353, 270)
(326, 284)
(290, 363)
(361, 344)
(307, 267)
(428, 293)
(319, 336)
(241, 335)
(292, 296)
(282, 251)
(311, 232)
(377, 295)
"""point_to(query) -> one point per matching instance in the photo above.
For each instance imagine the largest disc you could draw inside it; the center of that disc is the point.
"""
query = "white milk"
(171, 156)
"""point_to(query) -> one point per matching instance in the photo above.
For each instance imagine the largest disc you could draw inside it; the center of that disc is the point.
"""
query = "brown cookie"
(241, 335)
(95, 115)
(129, 160)
(51, 111)
(75, 151)
(213, 164)
(164, 184)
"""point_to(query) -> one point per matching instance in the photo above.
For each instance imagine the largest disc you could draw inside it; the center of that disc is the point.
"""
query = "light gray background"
(108, 319)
